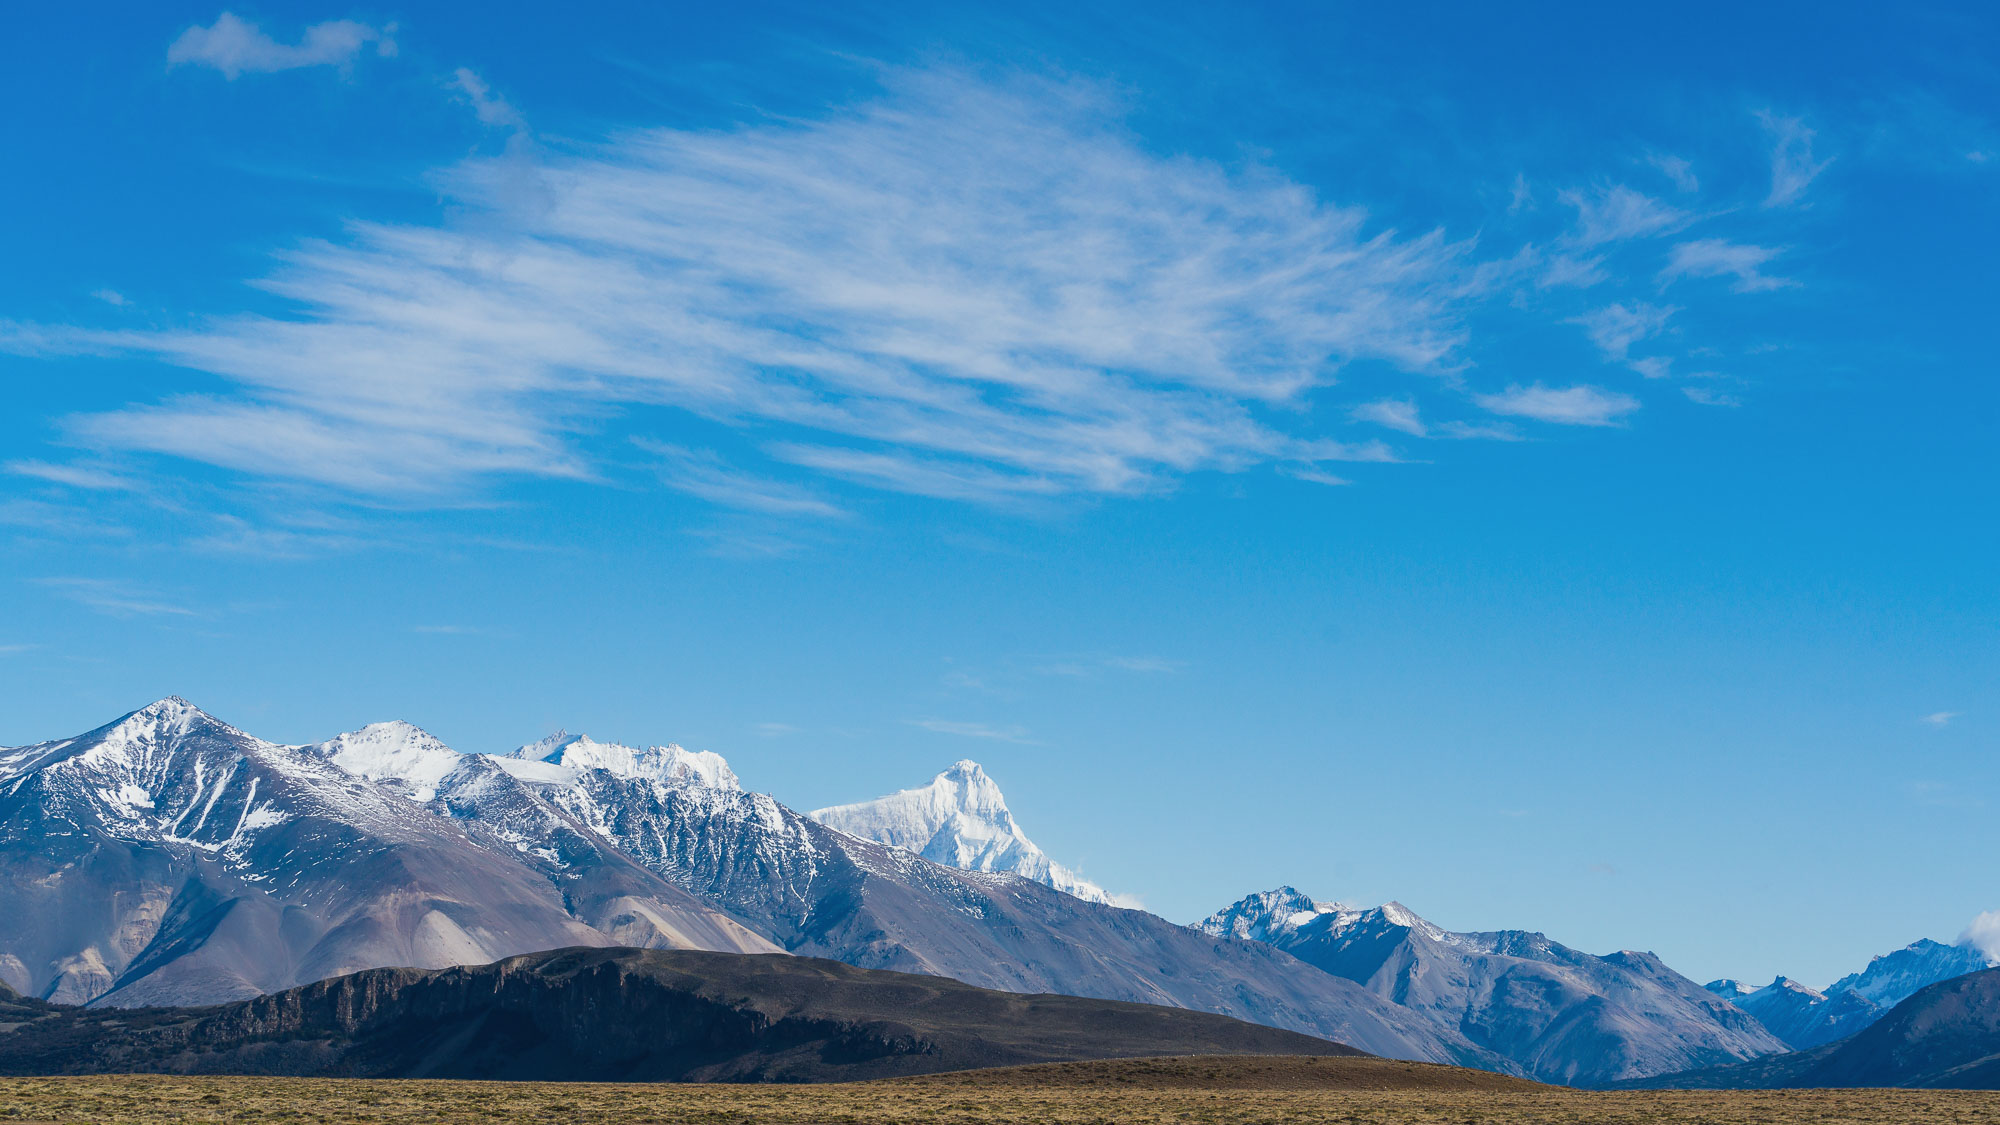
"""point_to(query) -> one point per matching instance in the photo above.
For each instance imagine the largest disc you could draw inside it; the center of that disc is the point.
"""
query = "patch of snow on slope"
(960, 819)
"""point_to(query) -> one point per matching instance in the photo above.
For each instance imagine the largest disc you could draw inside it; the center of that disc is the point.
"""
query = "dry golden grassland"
(1280, 1092)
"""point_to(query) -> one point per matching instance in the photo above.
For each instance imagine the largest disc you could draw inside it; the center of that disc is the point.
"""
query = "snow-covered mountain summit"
(1268, 915)
(1287, 913)
(959, 819)
(1893, 978)
(407, 757)
(672, 764)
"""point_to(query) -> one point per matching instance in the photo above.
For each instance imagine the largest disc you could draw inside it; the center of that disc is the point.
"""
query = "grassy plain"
(1143, 1092)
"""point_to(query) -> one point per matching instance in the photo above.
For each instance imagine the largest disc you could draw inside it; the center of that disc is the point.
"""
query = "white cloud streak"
(491, 108)
(703, 474)
(961, 290)
(1581, 405)
(974, 730)
(1719, 257)
(113, 598)
(1617, 213)
(1793, 168)
(1939, 718)
(237, 47)
(72, 476)
(1394, 413)
(1677, 169)
(1617, 329)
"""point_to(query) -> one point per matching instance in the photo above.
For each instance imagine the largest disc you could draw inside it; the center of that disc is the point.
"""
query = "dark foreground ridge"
(1946, 1037)
(621, 1015)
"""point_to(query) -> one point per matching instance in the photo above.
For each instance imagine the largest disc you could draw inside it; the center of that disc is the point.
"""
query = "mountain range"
(1945, 1035)
(1561, 1015)
(1805, 1017)
(168, 858)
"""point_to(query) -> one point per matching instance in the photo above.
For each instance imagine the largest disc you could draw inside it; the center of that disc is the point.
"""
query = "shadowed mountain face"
(171, 859)
(624, 1015)
(1560, 1015)
(1946, 1036)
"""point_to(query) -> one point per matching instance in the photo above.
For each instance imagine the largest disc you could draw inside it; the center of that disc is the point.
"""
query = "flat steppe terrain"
(1278, 1091)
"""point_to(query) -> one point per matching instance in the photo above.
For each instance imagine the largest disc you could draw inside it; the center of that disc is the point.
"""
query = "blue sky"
(1532, 465)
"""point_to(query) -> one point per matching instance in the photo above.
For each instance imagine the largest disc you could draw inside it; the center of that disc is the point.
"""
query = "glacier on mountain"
(961, 820)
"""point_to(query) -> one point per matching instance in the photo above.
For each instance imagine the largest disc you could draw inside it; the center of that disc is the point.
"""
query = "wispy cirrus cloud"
(961, 289)
(1719, 257)
(1581, 405)
(236, 46)
(1939, 718)
(704, 474)
(1399, 414)
(73, 476)
(1615, 213)
(1793, 167)
(487, 105)
(1709, 396)
(114, 597)
(1617, 329)
(1677, 169)
(974, 730)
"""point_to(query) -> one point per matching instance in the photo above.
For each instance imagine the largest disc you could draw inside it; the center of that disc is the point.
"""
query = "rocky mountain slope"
(1945, 1036)
(1559, 1014)
(960, 820)
(625, 1015)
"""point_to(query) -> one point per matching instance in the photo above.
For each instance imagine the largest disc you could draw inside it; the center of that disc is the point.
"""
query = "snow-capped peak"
(1272, 915)
(1729, 988)
(1892, 978)
(1266, 914)
(163, 718)
(142, 740)
(674, 765)
(395, 751)
(960, 819)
